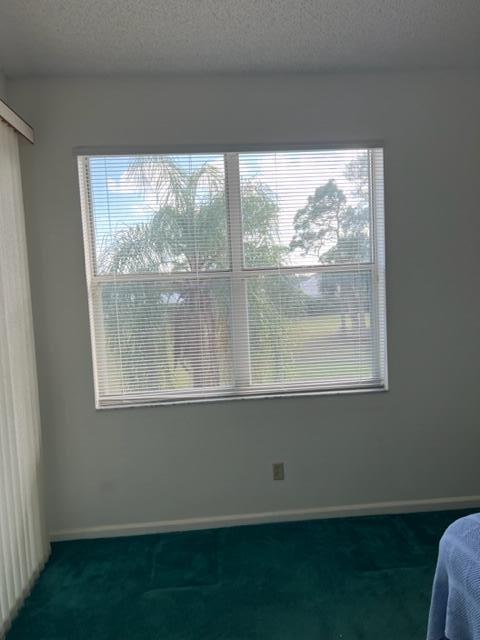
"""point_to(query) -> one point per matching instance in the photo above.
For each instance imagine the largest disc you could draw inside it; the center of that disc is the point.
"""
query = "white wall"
(419, 440)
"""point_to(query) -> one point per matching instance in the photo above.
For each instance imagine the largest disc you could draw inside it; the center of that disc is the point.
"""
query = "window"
(220, 275)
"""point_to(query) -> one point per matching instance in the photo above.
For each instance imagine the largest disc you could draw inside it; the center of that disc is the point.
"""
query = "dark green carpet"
(350, 579)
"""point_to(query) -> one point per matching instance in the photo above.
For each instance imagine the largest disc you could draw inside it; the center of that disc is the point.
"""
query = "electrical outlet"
(278, 471)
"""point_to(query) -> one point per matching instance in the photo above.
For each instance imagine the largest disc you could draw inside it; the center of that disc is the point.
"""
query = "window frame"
(238, 276)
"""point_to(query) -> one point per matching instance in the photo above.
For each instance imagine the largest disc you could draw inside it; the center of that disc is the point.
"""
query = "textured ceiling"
(207, 36)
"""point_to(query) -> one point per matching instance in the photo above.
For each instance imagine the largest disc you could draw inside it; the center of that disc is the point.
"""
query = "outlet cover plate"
(278, 471)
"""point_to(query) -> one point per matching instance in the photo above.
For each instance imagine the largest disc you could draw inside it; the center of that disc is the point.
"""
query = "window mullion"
(171, 276)
(320, 268)
(240, 337)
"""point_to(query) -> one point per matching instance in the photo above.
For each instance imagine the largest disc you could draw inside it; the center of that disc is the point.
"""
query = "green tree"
(336, 231)
(331, 229)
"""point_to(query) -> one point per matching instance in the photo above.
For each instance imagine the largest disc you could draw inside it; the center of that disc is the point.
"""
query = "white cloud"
(123, 185)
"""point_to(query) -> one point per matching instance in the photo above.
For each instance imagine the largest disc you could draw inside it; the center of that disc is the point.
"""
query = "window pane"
(315, 329)
(305, 207)
(161, 339)
(158, 213)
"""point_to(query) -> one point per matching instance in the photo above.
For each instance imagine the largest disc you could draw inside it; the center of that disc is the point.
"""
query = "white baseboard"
(288, 515)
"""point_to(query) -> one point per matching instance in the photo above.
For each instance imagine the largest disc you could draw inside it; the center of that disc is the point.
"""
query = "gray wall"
(3, 86)
(419, 440)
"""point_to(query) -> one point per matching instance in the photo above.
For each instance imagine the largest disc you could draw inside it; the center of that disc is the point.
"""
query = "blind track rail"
(10, 117)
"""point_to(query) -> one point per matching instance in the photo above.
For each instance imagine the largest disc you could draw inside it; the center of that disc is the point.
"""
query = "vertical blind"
(215, 275)
(23, 541)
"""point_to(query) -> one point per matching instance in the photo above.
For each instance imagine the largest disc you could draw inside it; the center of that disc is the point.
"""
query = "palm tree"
(187, 234)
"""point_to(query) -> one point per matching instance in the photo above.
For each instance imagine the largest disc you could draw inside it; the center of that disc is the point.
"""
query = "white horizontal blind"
(216, 275)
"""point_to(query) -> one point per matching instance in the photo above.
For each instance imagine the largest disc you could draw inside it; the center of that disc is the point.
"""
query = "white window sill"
(251, 396)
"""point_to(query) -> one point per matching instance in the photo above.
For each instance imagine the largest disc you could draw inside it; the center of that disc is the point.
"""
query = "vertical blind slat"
(23, 541)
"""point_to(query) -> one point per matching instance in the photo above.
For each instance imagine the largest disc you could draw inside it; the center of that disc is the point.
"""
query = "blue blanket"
(455, 607)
